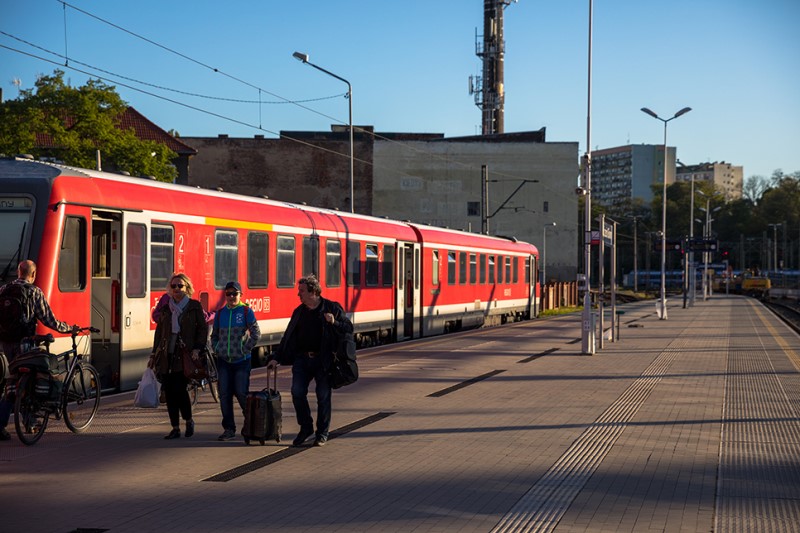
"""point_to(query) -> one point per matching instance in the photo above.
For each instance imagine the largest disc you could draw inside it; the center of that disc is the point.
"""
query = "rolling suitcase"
(262, 414)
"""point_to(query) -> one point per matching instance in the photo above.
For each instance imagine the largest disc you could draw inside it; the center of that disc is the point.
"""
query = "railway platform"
(686, 424)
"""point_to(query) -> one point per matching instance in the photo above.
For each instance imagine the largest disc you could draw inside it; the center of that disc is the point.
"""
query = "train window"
(72, 257)
(162, 254)
(473, 268)
(462, 268)
(491, 269)
(515, 265)
(483, 268)
(257, 260)
(508, 270)
(435, 267)
(311, 256)
(354, 264)
(226, 257)
(371, 266)
(101, 248)
(528, 270)
(499, 269)
(451, 268)
(388, 265)
(333, 263)
(285, 261)
(135, 260)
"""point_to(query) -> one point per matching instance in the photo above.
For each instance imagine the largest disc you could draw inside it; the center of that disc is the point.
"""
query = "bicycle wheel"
(212, 378)
(81, 397)
(192, 388)
(30, 418)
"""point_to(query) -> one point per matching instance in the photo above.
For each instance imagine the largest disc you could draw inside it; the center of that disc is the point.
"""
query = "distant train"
(106, 246)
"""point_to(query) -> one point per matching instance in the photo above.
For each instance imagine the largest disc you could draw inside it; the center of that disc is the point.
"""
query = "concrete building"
(726, 178)
(412, 176)
(625, 173)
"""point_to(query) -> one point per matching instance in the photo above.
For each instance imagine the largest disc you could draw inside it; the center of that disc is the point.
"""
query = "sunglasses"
(177, 285)
(231, 294)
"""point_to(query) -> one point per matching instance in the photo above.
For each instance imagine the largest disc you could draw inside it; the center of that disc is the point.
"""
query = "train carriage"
(107, 245)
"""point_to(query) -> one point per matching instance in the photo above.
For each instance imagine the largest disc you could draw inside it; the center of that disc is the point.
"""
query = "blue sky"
(735, 62)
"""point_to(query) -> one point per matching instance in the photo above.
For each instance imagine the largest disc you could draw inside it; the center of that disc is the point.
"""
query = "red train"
(106, 246)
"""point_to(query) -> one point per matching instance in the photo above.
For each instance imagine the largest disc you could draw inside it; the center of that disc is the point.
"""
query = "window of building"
(473, 209)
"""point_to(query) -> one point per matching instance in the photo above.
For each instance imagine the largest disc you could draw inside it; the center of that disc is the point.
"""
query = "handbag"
(148, 391)
(192, 369)
(344, 369)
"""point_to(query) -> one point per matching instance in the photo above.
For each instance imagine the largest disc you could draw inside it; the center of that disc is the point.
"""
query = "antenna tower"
(488, 87)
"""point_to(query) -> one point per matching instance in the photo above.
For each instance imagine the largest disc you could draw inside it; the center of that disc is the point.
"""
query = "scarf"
(177, 308)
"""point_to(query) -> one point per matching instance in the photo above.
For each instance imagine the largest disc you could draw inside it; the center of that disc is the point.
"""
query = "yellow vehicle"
(756, 286)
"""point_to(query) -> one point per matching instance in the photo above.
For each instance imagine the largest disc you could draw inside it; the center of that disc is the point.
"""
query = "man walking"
(310, 340)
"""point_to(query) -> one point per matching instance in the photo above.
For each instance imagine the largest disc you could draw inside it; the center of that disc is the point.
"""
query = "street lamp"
(663, 300)
(544, 250)
(304, 58)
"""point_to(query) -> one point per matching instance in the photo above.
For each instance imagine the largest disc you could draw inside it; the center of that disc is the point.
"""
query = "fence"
(559, 294)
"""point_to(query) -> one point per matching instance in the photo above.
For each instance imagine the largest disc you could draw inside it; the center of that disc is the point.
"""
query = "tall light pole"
(544, 250)
(663, 299)
(774, 246)
(587, 332)
(304, 58)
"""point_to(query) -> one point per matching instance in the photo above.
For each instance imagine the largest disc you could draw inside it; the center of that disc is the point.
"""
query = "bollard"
(618, 317)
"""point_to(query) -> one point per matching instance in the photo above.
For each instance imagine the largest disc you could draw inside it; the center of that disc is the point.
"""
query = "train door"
(136, 338)
(534, 291)
(120, 307)
(408, 281)
(105, 287)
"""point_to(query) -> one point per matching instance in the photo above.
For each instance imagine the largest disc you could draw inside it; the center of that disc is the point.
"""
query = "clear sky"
(735, 62)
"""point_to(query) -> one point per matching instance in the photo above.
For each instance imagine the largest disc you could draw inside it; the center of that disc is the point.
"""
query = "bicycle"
(196, 385)
(36, 388)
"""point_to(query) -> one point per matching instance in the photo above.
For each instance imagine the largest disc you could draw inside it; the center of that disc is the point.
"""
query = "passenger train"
(106, 246)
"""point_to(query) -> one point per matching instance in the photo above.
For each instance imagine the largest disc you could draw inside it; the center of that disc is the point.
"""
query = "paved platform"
(689, 424)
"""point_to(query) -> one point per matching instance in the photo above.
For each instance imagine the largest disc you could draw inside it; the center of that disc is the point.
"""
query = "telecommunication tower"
(490, 47)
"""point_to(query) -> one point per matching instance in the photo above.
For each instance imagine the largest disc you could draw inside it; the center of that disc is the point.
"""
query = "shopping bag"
(148, 391)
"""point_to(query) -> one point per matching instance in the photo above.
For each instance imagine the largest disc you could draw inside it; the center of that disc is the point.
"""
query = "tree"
(70, 124)
(754, 187)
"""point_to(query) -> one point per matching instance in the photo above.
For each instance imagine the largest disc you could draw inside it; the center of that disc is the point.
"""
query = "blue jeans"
(234, 380)
(304, 370)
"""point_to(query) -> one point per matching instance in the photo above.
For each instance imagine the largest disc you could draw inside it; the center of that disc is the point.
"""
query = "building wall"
(310, 167)
(726, 178)
(629, 172)
(439, 182)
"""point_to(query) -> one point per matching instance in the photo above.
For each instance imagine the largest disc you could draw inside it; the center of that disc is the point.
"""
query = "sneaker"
(320, 440)
(4, 434)
(302, 436)
(228, 434)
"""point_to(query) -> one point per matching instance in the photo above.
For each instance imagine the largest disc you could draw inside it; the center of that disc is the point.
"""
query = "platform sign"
(608, 234)
(703, 245)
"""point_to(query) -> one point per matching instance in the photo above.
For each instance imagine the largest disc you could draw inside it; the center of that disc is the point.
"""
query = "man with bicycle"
(33, 308)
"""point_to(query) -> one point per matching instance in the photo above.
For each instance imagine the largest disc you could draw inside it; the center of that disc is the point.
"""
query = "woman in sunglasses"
(235, 334)
(181, 327)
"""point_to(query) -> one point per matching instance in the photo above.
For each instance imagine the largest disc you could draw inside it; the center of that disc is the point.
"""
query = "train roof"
(183, 199)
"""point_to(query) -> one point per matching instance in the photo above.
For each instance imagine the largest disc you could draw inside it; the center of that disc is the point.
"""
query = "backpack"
(15, 303)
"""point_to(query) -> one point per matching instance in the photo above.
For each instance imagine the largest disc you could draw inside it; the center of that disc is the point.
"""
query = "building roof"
(142, 127)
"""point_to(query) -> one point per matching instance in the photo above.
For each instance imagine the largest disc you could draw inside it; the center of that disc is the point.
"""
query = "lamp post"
(707, 235)
(544, 250)
(587, 331)
(663, 299)
(774, 246)
(304, 58)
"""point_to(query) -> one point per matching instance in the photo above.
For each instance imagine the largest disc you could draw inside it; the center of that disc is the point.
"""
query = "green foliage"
(73, 123)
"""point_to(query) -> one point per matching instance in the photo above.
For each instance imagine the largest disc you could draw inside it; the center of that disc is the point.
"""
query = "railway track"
(788, 312)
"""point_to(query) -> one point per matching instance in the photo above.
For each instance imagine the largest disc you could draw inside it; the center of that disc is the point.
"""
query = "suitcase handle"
(274, 379)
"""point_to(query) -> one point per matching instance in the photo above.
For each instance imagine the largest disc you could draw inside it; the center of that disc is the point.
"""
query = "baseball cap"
(233, 285)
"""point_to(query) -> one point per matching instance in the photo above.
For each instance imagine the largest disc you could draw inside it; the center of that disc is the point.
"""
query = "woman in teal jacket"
(235, 334)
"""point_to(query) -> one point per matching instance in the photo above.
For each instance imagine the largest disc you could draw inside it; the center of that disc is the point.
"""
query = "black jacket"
(331, 333)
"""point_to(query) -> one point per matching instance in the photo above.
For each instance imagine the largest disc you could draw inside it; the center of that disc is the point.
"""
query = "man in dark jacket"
(308, 344)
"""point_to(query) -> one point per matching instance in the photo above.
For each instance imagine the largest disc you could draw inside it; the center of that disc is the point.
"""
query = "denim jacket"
(235, 333)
